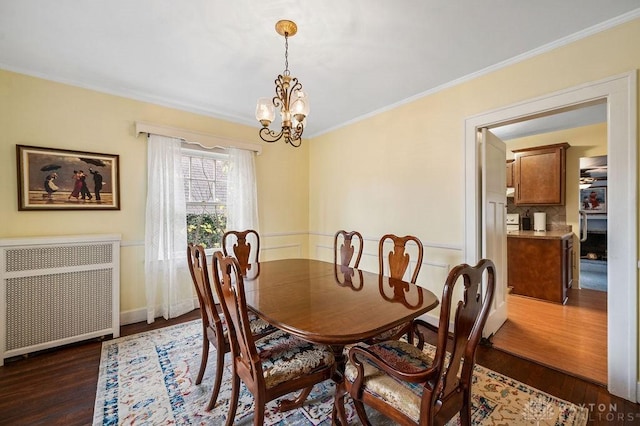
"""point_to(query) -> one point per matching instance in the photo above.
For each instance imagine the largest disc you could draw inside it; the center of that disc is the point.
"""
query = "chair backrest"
(244, 245)
(197, 260)
(398, 259)
(234, 305)
(470, 317)
(347, 249)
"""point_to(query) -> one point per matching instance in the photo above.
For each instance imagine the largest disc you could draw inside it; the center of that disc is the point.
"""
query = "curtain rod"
(203, 139)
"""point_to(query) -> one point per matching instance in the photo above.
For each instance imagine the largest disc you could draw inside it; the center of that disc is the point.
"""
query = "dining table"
(327, 303)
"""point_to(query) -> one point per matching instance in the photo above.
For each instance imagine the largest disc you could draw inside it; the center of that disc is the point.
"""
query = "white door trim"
(620, 93)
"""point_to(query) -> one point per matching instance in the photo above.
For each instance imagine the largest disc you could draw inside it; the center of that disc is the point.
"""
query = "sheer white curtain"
(242, 195)
(168, 283)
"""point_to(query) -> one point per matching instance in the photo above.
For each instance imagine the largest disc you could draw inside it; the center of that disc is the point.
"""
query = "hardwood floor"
(571, 337)
(58, 387)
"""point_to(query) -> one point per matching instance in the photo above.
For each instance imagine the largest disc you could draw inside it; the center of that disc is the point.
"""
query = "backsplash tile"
(556, 215)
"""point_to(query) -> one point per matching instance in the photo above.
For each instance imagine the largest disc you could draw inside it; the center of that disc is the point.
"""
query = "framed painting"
(594, 199)
(60, 179)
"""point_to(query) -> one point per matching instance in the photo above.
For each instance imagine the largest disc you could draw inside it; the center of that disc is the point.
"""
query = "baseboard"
(131, 317)
(431, 319)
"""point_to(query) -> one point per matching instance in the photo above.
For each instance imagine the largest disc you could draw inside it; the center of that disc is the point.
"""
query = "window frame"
(188, 150)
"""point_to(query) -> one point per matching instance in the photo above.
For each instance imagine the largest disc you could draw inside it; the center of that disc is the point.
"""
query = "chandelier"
(292, 101)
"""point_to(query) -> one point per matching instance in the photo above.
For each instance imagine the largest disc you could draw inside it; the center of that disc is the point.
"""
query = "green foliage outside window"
(206, 229)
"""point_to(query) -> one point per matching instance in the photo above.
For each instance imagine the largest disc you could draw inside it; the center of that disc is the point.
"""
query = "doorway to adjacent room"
(619, 93)
(544, 331)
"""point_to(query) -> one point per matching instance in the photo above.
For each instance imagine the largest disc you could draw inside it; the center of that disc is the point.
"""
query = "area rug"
(149, 379)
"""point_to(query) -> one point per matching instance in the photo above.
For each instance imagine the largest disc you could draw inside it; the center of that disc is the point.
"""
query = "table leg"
(338, 415)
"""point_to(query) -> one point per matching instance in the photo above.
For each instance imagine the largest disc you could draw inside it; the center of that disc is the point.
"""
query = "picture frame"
(61, 179)
(593, 199)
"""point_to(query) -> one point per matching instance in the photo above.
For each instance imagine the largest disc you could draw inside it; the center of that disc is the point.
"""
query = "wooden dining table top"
(326, 303)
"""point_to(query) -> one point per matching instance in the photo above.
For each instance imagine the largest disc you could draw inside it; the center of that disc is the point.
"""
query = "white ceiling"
(584, 116)
(354, 58)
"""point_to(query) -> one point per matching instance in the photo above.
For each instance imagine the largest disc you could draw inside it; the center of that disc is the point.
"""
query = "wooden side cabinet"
(539, 175)
(540, 267)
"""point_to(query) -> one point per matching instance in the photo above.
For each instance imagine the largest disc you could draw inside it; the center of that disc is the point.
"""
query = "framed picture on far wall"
(594, 200)
(60, 179)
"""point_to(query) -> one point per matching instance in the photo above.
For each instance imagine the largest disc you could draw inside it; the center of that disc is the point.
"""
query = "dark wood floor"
(58, 387)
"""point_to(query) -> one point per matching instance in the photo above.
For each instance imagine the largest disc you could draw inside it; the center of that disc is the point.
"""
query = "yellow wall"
(46, 114)
(403, 171)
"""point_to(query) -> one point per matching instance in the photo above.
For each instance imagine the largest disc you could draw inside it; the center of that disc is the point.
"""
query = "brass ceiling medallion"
(286, 28)
(292, 101)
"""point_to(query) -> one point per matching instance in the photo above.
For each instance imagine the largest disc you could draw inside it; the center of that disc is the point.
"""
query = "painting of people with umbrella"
(58, 179)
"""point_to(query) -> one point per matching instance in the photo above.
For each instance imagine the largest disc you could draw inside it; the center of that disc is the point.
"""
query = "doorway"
(621, 96)
(572, 336)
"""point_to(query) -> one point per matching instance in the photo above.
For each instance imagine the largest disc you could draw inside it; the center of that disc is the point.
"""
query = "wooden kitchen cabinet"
(510, 173)
(540, 266)
(539, 175)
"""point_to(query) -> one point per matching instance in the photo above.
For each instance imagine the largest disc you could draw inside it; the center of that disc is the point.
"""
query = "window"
(205, 179)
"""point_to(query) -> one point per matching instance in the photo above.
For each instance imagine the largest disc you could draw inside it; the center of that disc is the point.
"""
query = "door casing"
(620, 93)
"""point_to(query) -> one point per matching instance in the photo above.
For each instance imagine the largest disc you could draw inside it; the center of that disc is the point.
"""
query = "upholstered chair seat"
(259, 327)
(285, 357)
(403, 395)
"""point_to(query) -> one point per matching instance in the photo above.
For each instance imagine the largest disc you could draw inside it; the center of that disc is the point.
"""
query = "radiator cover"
(57, 290)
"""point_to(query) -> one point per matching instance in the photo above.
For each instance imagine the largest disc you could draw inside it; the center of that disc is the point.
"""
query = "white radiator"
(57, 290)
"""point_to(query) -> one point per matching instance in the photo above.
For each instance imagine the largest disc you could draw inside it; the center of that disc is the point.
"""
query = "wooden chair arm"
(377, 361)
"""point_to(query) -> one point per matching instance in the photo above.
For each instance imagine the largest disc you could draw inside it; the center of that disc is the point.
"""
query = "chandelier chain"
(286, 54)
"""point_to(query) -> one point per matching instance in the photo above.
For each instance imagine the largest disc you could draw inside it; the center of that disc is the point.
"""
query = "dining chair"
(271, 366)
(397, 261)
(213, 324)
(415, 387)
(347, 250)
(395, 264)
(244, 245)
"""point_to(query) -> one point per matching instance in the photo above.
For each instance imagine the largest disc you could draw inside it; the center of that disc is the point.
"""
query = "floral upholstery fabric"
(405, 396)
(285, 357)
(259, 327)
(386, 335)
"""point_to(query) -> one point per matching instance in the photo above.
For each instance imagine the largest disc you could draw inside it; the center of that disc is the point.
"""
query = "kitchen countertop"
(549, 235)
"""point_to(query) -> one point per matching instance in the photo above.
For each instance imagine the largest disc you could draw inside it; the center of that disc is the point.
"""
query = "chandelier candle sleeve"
(290, 99)
(265, 111)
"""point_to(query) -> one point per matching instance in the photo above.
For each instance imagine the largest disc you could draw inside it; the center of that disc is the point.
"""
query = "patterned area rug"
(149, 379)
